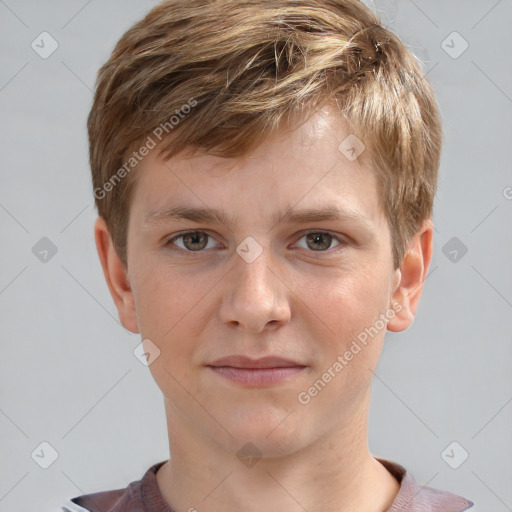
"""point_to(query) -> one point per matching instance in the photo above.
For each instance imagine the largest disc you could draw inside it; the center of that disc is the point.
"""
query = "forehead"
(304, 167)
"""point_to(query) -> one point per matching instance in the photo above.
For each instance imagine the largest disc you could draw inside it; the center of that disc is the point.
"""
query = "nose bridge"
(253, 279)
(255, 295)
(255, 274)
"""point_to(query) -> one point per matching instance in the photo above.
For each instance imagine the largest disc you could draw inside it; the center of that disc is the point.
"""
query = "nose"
(255, 297)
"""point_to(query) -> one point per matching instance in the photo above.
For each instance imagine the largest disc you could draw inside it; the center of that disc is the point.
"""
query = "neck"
(336, 472)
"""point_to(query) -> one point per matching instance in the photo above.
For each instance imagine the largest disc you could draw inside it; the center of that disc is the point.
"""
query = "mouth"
(265, 371)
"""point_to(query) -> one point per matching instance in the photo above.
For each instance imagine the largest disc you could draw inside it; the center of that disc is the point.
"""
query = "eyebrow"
(211, 216)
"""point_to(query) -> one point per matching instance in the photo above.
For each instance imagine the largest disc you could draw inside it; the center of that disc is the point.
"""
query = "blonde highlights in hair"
(245, 68)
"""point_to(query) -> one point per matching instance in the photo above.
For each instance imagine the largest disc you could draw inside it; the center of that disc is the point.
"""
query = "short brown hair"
(231, 71)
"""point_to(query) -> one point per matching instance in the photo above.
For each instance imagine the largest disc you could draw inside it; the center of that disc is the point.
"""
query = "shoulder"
(414, 497)
(435, 500)
(105, 501)
(128, 499)
(71, 506)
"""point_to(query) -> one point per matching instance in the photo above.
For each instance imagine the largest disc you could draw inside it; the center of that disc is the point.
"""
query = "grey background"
(68, 373)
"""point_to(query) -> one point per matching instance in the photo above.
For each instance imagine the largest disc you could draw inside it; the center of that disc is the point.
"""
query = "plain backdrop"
(69, 377)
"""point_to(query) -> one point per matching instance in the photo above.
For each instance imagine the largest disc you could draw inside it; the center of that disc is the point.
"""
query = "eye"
(197, 241)
(321, 240)
(193, 241)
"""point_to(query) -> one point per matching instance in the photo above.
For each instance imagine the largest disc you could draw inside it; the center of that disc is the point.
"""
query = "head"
(259, 109)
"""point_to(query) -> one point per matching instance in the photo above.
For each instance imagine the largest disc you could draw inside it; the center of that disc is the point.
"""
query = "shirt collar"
(145, 495)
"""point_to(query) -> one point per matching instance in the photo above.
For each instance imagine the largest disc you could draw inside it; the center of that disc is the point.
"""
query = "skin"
(299, 299)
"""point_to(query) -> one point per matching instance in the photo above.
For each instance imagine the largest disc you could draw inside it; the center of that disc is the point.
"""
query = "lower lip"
(255, 377)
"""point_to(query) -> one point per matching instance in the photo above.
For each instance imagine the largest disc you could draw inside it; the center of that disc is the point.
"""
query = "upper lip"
(247, 362)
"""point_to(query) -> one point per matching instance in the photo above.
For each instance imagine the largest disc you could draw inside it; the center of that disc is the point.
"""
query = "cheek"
(164, 301)
(349, 308)
(345, 301)
(168, 307)
(168, 311)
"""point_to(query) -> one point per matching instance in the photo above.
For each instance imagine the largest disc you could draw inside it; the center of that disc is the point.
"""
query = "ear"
(409, 278)
(116, 276)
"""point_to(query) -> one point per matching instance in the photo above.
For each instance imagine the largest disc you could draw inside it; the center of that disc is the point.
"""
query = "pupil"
(194, 238)
(316, 237)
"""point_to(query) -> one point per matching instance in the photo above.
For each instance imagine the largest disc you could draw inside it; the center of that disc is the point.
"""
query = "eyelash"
(342, 242)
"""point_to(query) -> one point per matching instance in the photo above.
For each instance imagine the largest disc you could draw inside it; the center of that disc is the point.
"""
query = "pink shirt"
(144, 496)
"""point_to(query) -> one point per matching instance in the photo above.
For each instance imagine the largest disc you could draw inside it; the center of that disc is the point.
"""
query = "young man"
(264, 173)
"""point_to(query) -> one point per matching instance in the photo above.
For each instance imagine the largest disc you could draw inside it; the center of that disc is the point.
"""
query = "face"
(303, 290)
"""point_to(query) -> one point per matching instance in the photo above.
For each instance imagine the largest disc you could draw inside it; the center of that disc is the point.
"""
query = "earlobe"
(410, 277)
(116, 276)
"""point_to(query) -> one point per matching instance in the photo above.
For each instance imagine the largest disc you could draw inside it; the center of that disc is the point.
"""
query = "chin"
(270, 440)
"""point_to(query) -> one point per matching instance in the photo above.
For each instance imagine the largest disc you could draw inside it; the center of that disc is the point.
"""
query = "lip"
(249, 363)
(265, 371)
